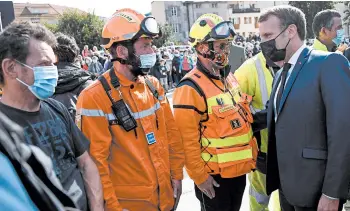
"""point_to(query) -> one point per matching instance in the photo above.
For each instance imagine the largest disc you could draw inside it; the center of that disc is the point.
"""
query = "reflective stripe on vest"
(136, 115)
(262, 85)
(91, 112)
(229, 156)
(260, 198)
(226, 142)
(230, 152)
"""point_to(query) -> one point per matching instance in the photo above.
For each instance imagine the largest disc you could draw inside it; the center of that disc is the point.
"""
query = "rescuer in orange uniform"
(215, 120)
(134, 139)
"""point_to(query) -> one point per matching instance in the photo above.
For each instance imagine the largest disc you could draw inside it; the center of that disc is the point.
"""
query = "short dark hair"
(14, 41)
(67, 49)
(287, 15)
(324, 19)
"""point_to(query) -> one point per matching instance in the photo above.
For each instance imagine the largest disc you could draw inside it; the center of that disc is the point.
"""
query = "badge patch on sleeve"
(235, 124)
(151, 139)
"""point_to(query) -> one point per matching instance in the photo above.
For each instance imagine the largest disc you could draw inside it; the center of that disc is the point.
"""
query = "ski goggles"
(222, 30)
(149, 28)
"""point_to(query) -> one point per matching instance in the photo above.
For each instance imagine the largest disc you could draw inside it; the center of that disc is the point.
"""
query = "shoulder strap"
(106, 87)
(152, 88)
(262, 81)
(114, 79)
(115, 83)
(192, 83)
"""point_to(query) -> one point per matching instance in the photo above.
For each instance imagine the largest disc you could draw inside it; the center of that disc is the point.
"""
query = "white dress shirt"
(293, 60)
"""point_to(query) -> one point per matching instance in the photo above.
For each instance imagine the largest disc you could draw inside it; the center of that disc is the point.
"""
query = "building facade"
(180, 15)
(245, 14)
(174, 14)
(39, 13)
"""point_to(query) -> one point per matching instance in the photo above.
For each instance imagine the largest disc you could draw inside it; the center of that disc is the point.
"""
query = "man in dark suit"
(308, 117)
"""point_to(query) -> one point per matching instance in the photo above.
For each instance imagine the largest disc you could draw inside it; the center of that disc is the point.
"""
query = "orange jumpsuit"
(136, 174)
(215, 126)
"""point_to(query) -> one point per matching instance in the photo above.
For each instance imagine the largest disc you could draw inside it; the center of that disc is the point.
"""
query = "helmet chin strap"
(211, 57)
(132, 60)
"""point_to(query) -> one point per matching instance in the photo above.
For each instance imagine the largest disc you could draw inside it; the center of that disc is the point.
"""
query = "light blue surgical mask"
(340, 37)
(45, 81)
(148, 60)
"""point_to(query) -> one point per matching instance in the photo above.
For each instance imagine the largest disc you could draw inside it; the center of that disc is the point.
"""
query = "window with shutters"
(198, 6)
(214, 5)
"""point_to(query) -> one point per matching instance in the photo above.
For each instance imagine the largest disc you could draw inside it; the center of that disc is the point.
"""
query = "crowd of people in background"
(94, 61)
(174, 62)
(103, 136)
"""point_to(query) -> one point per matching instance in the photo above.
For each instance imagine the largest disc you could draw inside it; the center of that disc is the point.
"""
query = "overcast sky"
(103, 8)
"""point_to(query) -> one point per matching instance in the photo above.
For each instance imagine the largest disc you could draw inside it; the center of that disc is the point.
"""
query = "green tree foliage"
(167, 36)
(86, 28)
(311, 8)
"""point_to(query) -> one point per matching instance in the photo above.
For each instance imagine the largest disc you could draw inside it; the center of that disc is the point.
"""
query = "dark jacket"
(308, 152)
(71, 81)
(176, 63)
(347, 54)
(96, 68)
(162, 71)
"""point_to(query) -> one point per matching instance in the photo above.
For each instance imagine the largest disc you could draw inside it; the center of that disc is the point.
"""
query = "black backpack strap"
(152, 88)
(114, 79)
(192, 83)
(106, 87)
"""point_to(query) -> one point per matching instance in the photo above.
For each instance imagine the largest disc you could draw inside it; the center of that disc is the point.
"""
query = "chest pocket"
(232, 120)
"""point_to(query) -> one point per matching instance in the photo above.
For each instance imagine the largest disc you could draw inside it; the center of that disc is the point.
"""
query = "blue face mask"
(340, 37)
(45, 81)
(148, 60)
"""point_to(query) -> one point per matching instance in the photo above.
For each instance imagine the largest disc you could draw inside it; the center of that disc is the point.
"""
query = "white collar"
(293, 60)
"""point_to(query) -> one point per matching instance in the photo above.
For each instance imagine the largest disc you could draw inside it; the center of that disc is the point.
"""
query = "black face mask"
(270, 51)
(270, 63)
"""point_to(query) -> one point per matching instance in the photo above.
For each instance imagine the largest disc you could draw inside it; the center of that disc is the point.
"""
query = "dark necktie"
(284, 74)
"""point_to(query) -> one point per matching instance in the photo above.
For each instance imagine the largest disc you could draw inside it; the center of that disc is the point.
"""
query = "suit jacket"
(237, 57)
(309, 145)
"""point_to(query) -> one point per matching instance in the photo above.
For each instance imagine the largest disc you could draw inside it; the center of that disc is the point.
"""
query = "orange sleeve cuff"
(200, 179)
